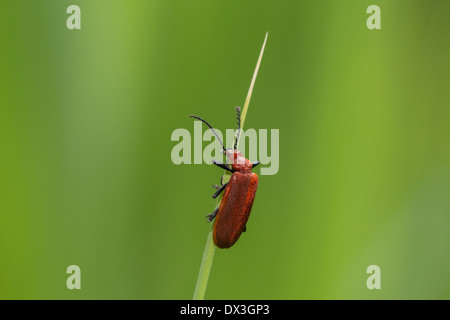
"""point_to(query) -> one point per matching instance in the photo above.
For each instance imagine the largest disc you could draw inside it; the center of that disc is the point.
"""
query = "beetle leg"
(216, 186)
(219, 191)
(245, 229)
(212, 215)
(254, 164)
(222, 165)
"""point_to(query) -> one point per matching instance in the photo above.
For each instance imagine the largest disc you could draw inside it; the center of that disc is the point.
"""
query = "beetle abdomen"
(235, 208)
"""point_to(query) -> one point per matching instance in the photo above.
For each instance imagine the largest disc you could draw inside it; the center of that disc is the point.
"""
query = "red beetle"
(239, 193)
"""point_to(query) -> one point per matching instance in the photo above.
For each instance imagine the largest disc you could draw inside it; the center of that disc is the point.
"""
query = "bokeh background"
(86, 176)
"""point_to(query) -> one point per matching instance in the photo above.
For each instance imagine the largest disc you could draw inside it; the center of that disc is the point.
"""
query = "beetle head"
(238, 161)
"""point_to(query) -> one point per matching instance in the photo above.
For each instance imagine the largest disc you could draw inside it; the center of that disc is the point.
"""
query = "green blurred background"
(86, 176)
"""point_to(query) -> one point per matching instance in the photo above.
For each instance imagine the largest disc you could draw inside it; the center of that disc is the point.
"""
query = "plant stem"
(205, 267)
(210, 248)
(252, 84)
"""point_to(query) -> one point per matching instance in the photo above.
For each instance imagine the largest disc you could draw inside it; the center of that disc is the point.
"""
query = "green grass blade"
(252, 84)
(208, 253)
(205, 267)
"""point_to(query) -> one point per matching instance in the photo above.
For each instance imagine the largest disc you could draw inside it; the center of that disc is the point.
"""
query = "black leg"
(219, 191)
(216, 186)
(212, 215)
(254, 164)
(222, 165)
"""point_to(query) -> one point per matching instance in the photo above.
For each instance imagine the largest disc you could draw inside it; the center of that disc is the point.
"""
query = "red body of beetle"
(236, 203)
(239, 193)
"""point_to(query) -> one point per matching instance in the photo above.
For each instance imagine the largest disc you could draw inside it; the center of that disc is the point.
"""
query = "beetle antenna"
(238, 118)
(204, 121)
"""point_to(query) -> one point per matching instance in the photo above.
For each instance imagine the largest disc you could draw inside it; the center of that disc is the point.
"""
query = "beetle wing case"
(234, 209)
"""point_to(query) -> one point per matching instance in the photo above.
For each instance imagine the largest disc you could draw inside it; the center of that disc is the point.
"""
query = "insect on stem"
(208, 254)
